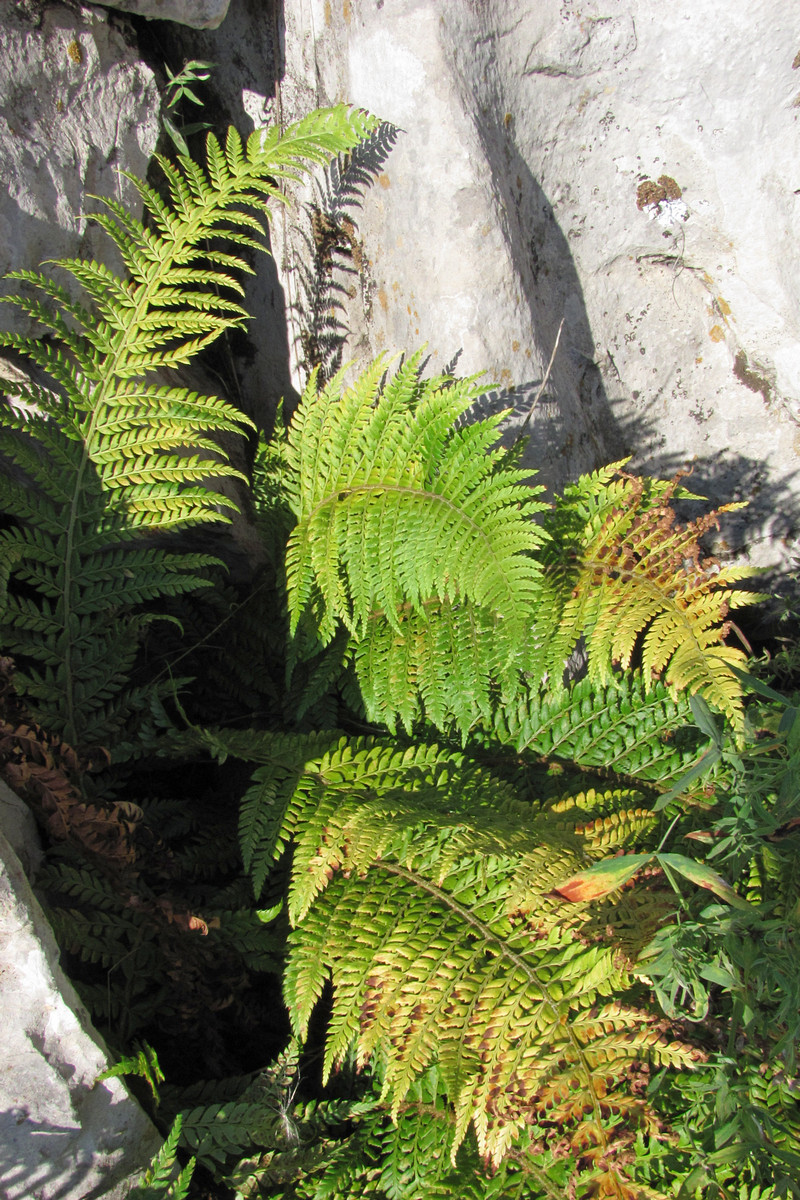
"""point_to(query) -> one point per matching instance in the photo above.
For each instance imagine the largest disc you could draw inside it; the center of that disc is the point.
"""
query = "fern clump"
(412, 535)
(106, 456)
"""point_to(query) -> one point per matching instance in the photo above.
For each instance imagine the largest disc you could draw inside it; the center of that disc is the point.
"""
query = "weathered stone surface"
(76, 108)
(19, 829)
(627, 167)
(200, 14)
(62, 1136)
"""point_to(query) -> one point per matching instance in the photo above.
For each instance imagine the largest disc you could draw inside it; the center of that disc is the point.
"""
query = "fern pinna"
(105, 457)
(425, 890)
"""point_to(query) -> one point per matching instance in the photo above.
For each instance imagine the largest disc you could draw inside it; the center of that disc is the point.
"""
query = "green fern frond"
(411, 535)
(627, 726)
(160, 1181)
(625, 574)
(142, 1063)
(217, 1132)
(114, 455)
(425, 890)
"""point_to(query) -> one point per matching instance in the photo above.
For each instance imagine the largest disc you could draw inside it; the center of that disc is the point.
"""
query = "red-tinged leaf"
(603, 877)
(704, 877)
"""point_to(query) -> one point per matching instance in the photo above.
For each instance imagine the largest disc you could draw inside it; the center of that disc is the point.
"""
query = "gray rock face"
(628, 167)
(62, 1136)
(200, 14)
(76, 108)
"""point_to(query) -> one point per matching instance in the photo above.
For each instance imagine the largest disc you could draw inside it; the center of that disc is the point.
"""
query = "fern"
(408, 1159)
(425, 890)
(143, 1063)
(412, 536)
(622, 569)
(160, 1180)
(105, 456)
(625, 726)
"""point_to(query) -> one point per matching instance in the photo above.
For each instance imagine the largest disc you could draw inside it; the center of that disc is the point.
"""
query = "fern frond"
(115, 455)
(627, 726)
(160, 1181)
(625, 573)
(425, 890)
(411, 535)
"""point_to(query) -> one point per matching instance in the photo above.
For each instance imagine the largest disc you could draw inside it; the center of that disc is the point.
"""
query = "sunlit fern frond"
(425, 890)
(412, 535)
(628, 577)
(163, 1179)
(102, 455)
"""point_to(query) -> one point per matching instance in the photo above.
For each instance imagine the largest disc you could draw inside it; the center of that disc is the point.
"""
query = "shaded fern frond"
(625, 574)
(107, 453)
(625, 726)
(411, 535)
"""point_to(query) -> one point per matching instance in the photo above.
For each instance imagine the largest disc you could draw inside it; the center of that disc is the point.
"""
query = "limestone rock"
(200, 14)
(629, 168)
(76, 108)
(61, 1134)
(19, 829)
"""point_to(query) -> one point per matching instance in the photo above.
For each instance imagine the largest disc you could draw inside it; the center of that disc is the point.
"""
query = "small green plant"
(180, 88)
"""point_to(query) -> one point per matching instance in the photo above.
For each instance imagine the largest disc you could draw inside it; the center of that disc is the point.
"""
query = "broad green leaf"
(704, 877)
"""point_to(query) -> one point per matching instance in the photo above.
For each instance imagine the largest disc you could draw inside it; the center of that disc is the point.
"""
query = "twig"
(541, 386)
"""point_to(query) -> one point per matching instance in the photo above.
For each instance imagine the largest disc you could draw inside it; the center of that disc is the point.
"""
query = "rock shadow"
(574, 427)
(43, 1158)
(332, 272)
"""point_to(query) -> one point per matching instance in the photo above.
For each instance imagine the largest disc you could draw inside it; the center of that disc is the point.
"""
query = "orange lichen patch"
(347, 11)
(716, 333)
(75, 51)
(383, 299)
(384, 180)
(796, 62)
(651, 192)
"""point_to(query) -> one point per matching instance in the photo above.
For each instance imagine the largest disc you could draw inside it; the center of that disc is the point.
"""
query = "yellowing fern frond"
(628, 576)
(425, 890)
